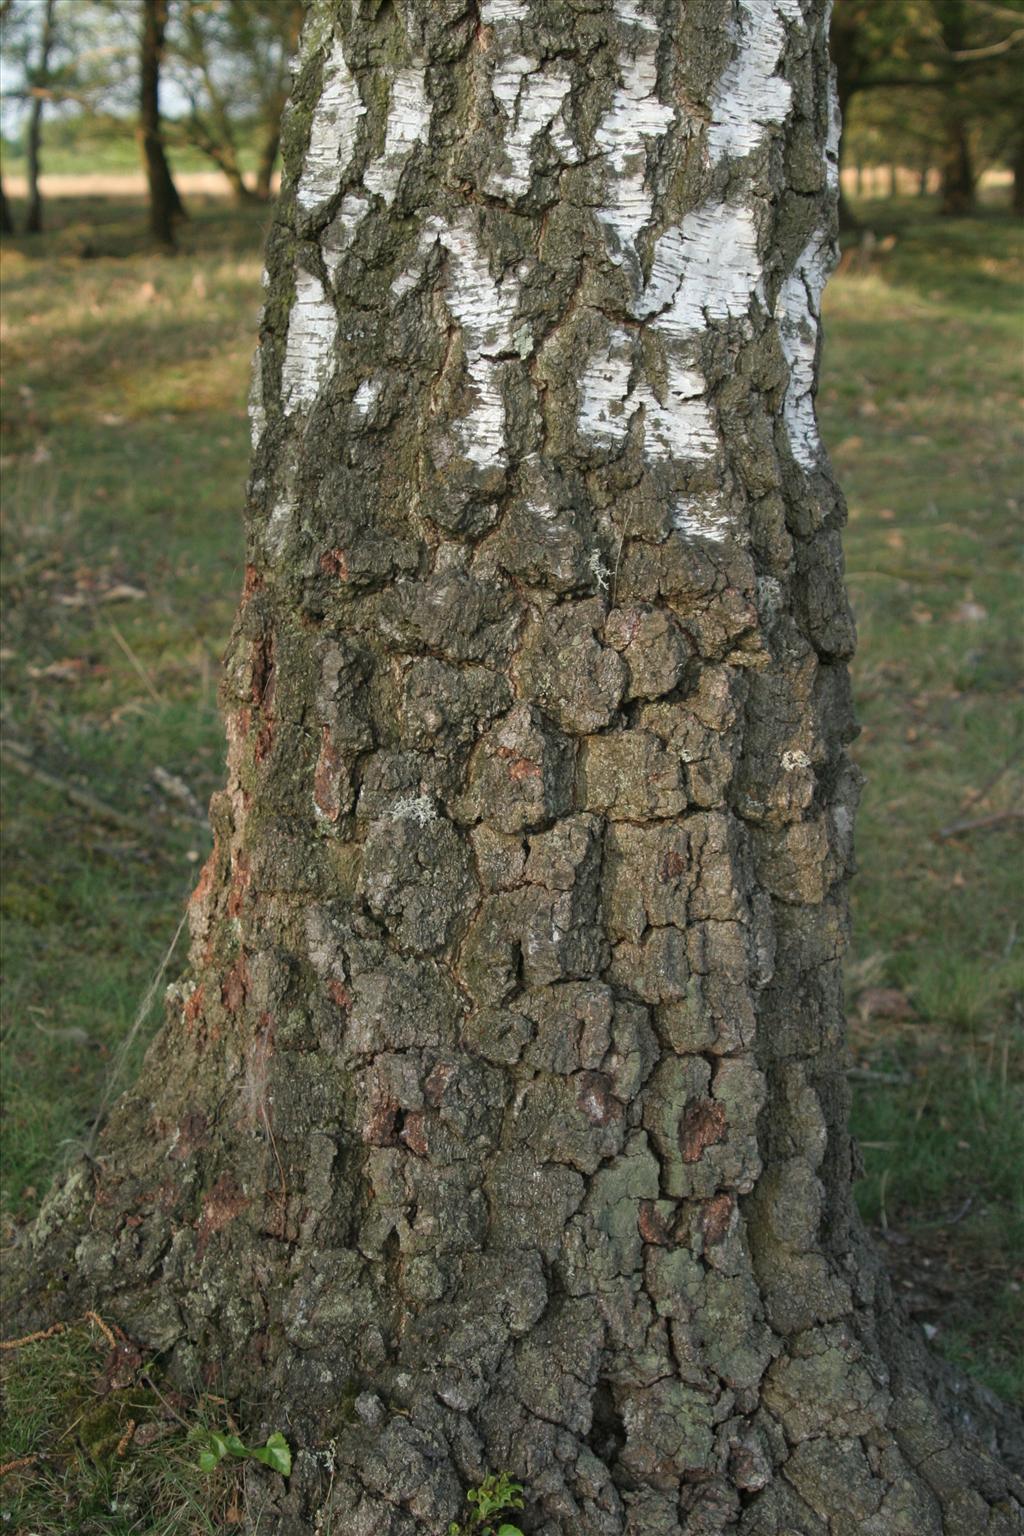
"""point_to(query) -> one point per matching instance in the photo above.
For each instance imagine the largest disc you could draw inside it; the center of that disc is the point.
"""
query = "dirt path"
(127, 184)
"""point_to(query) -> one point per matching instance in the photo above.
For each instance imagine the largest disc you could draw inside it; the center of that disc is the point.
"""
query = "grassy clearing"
(919, 404)
(124, 464)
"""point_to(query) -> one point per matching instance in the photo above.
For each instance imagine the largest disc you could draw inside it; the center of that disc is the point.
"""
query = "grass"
(118, 1456)
(919, 405)
(124, 462)
(89, 144)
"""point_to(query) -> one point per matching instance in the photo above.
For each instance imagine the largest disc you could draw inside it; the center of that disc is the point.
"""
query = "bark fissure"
(506, 1114)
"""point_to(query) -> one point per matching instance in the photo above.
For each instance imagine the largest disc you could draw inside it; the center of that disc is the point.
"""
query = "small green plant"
(276, 1454)
(495, 1495)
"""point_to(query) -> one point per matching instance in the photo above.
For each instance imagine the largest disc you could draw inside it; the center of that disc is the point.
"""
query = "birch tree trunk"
(502, 1122)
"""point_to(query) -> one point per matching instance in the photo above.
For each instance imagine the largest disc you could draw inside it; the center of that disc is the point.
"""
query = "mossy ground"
(124, 463)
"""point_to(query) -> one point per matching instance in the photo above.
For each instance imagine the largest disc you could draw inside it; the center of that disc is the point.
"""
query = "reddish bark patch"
(414, 1132)
(673, 865)
(594, 1099)
(191, 1134)
(235, 985)
(381, 1129)
(327, 778)
(193, 1007)
(715, 1219)
(223, 1204)
(264, 739)
(652, 1225)
(262, 668)
(703, 1126)
(523, 768)
(333, 563)
(204, 885)
(437, 1082)
(339, 993)
(240, 875)
(253, 581)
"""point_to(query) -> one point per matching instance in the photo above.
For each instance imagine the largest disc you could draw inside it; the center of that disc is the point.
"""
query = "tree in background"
(30, 39)
(165, 206)
(38, 85)
(866, 37)
(963, 55)
(501, 1122)
(231, 60)
(6, 222)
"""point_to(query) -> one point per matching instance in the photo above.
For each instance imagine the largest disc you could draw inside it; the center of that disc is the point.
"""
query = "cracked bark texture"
(502, 1122)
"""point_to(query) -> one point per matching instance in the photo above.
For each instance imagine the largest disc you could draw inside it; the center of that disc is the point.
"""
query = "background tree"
(165, 206)
(502, 1121)
(231, 58)
(38, 83)
(963, 54)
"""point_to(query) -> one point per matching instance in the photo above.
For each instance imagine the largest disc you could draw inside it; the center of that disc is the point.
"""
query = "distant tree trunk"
(165, 206)
(272, 138)
(34, 137)
(958, 184)
(958, 187)
(1017, 166)
(6, 221)
(265, 165)
(501, 1122)
(893, 184)
(922, 180)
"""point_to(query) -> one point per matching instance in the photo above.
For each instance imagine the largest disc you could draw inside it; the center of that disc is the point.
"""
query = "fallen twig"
(177, 789)
(17, 1464)
(867, 1075)
(136, 663)
(33, 1338)
(94, 1317)
(982, 824)
(19, 758)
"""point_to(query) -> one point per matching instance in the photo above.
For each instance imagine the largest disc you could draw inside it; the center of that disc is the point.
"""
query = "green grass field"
(124, 461)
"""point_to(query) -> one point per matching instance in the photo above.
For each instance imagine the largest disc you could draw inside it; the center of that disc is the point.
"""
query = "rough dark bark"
(165, 206)
(34, 134)
(501, 1123)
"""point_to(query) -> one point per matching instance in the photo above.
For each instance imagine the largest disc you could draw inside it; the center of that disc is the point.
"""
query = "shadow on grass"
(86, 228)
(971, 264)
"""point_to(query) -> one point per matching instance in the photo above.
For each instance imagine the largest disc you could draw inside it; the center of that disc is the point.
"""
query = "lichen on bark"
(501, 1121)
